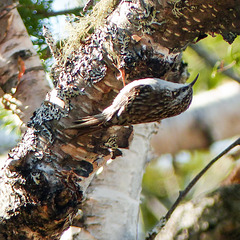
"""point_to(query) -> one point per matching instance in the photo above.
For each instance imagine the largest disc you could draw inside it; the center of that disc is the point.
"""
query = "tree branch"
(211, 60)
(183, 193)
(22, 74)
(49, 171)
(47, 14)
(113, 198)
(214, 216)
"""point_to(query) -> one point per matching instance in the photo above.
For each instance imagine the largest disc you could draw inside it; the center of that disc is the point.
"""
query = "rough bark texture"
(46, 175)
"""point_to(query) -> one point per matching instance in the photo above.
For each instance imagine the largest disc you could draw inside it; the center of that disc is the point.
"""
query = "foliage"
(36, 13)
(229, 55)
(167, 175)
(9, 121)
(33, 13)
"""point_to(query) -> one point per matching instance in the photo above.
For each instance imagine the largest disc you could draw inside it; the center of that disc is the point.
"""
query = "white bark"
(213, 116)
(113, 198)
(31, 88)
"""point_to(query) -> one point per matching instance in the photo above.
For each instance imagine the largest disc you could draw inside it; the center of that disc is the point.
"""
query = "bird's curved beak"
(194, 81)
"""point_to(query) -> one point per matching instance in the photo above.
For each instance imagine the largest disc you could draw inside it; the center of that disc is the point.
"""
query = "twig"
(183, 193)
(88, 4)
(46, 14)
(211, 59)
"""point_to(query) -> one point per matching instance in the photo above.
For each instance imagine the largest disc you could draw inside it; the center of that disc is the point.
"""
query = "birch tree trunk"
(113, 198)
(22, 81)
(46, 176)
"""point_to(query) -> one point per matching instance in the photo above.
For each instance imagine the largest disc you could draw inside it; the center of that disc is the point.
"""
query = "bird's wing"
(130, 104)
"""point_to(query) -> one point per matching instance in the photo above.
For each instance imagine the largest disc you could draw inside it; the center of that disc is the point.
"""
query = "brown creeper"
(142, 101)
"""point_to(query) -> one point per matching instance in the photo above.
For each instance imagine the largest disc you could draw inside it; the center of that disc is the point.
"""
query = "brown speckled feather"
(142, 101)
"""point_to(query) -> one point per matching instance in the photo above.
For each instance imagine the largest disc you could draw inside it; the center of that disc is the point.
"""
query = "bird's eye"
(175, 93)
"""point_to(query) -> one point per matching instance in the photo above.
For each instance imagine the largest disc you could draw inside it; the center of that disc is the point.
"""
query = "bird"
(141, 101)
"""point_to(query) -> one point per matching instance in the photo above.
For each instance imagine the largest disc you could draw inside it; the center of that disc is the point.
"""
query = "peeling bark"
(46, 176)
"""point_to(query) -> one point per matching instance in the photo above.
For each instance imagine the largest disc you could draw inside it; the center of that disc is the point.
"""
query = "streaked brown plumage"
(142, 101)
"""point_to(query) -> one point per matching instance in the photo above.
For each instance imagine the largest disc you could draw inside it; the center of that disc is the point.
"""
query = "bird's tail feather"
(89, 122)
